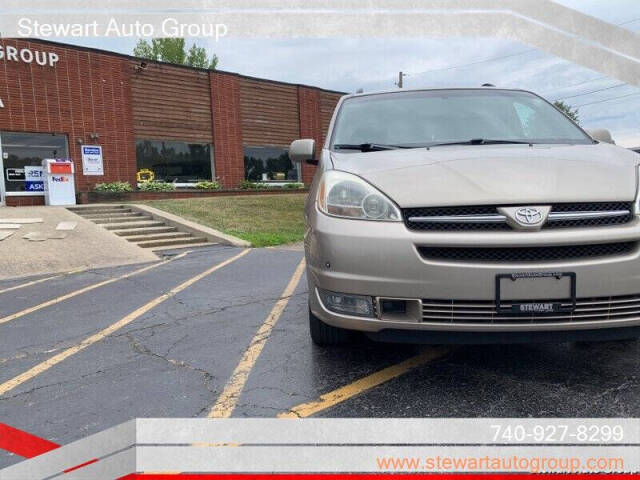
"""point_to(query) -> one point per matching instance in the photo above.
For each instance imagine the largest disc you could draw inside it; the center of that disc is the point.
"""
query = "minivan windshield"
(463, 116)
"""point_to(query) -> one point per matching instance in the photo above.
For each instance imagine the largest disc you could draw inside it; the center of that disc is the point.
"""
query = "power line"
(597, 78)
(593, 91)
(629, 21)
(607, 100)
(491, 59)
(576, 84)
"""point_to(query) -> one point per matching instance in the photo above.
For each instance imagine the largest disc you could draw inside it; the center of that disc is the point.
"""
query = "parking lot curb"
(190, 226)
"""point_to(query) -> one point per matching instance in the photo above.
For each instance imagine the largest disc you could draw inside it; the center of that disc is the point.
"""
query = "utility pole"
(400, 77)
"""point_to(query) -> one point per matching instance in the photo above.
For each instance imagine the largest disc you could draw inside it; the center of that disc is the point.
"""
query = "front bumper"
(380, 259)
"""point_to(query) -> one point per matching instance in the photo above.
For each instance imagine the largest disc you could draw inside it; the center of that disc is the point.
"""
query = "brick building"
(183, 124)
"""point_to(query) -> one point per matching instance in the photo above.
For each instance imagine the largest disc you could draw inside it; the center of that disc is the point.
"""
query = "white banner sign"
(332, 446)
(92, 160)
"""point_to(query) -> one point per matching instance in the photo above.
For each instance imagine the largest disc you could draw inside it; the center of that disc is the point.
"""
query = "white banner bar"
(390, 431)
(327, 445)
(314, 459)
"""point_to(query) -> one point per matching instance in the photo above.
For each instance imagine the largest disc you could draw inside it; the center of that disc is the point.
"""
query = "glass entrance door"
(22, 155)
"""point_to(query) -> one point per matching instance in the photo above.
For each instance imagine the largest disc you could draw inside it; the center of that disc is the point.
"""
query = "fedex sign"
(59, 188)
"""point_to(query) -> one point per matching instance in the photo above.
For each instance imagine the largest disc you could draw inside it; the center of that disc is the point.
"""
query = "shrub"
(113, 187)
(215, 185)
(156, 187)
(248, 185)
(293, 186)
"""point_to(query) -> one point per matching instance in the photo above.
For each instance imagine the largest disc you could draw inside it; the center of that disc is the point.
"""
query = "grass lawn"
(262, 220)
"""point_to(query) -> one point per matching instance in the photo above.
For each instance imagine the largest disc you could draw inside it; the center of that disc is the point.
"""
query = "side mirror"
(602, 135)
(303, 151)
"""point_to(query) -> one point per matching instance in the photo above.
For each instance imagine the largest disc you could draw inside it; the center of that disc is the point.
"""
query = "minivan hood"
(497, 174)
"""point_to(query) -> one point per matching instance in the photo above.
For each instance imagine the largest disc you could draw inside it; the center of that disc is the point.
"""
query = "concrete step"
(127, 226)
(189, 246)
(121, 219)
(144, 231)
(99, 213)
(177, 241)
(88, 210)
(159, 236)
(123, 213)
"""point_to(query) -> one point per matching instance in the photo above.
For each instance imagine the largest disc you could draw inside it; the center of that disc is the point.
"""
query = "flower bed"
(138, 196)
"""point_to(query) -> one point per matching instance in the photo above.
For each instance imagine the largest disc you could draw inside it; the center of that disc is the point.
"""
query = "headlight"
(345, 195)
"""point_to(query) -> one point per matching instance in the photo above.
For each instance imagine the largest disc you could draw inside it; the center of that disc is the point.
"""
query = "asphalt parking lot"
(221, 331)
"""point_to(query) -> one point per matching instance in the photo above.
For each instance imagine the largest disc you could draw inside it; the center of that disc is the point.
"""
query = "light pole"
(401, 75)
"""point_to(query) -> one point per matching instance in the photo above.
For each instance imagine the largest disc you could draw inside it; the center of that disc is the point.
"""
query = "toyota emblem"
(528, 216)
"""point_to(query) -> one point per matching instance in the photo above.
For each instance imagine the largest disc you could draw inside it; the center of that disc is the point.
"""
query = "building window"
(177, 162)
(20, 150)
(269, 164)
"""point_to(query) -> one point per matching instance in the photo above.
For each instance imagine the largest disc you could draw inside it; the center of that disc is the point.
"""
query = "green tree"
(568, 110)
(197, 57)
(144, 50)
(173, 50)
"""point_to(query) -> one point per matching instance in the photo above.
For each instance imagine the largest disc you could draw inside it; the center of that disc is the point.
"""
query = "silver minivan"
(469, 216)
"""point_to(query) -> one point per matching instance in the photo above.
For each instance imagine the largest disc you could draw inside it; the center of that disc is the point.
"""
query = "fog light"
(393, 306)
(347, 304)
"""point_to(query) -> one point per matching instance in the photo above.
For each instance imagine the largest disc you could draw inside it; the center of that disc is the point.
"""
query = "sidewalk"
(88, 246)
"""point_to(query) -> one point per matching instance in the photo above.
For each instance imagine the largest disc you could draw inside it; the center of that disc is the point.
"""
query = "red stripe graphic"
(378, 476)
(81, 465)
(23, 443)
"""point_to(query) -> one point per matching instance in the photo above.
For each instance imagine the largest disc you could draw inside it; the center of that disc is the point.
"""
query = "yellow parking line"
(41, 280)
(28, 284)
(344, 393)
(228, 399)
(47, 364)
(80, 291)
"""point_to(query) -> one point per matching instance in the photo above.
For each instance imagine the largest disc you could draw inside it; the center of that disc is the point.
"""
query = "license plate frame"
(536, 307)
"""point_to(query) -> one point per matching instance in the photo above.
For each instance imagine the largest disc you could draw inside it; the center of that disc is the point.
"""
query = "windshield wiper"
(366, 147)
(480, 141)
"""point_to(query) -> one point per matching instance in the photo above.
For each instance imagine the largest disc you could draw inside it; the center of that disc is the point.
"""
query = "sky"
(349, 64)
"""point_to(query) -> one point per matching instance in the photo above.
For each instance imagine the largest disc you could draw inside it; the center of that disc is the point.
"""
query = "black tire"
(325, 335)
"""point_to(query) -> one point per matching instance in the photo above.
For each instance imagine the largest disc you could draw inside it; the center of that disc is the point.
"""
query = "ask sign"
(34, 179)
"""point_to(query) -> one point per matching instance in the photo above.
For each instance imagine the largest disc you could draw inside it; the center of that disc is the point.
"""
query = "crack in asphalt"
(254, 301)
(40, 349)
(55, 384)
(175, 320)
(32, 390)
(265, 407)
(139, 329)
(140, 348)
(281, 390)
(19, 356)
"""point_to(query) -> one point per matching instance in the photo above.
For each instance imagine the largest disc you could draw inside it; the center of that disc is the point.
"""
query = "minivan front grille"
(485, 217)
(591, 207)
(484, 311)
(410, 214)
(526, 254)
